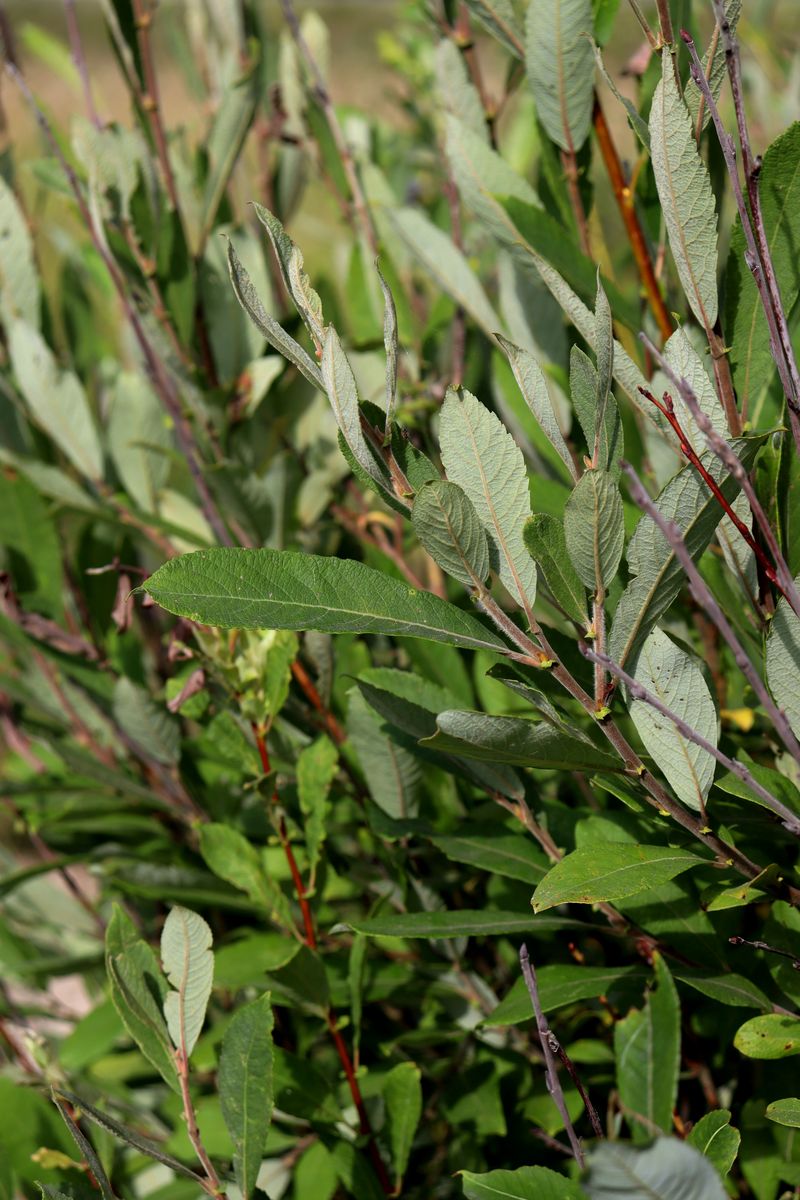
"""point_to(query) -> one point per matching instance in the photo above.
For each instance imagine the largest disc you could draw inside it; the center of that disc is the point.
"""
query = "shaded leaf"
(499, 18)
(393, 774)
(559, 986)
(244, 1080)
(647, 1048)
(668, 1169)
(443, 924)
(316, 769)
(154, 730)
(19, 279)
(516, 740)
(532, 384)
(500, 853)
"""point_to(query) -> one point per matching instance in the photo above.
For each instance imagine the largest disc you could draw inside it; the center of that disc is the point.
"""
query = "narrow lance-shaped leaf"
(532, 384)
(647, 1047)
(189, 966)
(277, 589)
(604, 351)
(516, 740)
(610, 871)
(783, 661)
(267, 325)
(447, 525)
(88, 1152)
(600, 422)
(340, 384)
(298, 285)
(526, 1183)
(19, 279)
(402, 1095)
(544, 537)
(560, 68)
(636, 121)
(686, 500)
(480, 455)
(390, 346)
(687, 201)
(245, 1087)
(676, 679)
(499, 18)
(594, 529)
(316, 768)
(456, 92)
(714, 66)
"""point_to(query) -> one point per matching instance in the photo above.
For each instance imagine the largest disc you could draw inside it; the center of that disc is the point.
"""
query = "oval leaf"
(668, 1169)
(189, 966)
(594, 529)
(610, 871)
(768, 1036)
(447, 525)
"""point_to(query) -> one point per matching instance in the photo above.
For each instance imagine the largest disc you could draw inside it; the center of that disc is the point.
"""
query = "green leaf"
(480, 455)
(511, 855)
(296, 281)
(676, 679)
(499, 18)
(532, 384)
(267, 325)
(716, 1139)
(714, 67)
(594, 529)
(138, 990)
(659, 576)
(152, 727)
(232, 858)
(783, 661)
(768, 1036)
(516, 740)
(746, 328)
(138, 440)
(559, 986)
(784, 1112)
(456, 92)
(390, 345)
(446, 265)
(730, 989)
(87, 1151)
(585, 388)
(393, 773)
(635, 119)
(402, 1095)
(684, 190)
(448, 527)
(277, 589)
(481, 175)
(546, 543)
(225, 140)
(560, 65)
(130, 1136)
(316, 769)
(19, 279)
(526, 1183)
(189, 966)
(610, 871)
(27, 527)
(56, 399)
(442, 924)
(340, 385)
(668, 1169)
(244, 1080)
(647, 1048)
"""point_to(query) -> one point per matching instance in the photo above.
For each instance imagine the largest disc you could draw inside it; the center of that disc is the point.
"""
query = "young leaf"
(667, 1169)
(769, 1036)
(686, 500)
(499, 18)
(138, 989)
(516, 740)
(402, 1095)
(533, 386)
(316, 768)
(604, 441)
(56, 399)
(244, 1080)
(19, 279)
(526, 1183)
(783, 661)
(276, 589)
(546, 543)
(340, 384)
(446, 264)
(447, 525)
(610, 871)
(480, 455)
(298, 285)
(784, 1112)
(189, 966)
(684, 190)
(647, 1047)
(267, 325)
(594, 529)
(390, 346)
(677, 681)
(560, 66)
(717, 1140)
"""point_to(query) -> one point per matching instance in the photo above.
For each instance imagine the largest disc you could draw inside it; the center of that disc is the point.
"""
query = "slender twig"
(211, 1184)
(569, 162)
(638, 691)
(143, 19)
(322, 95)
(757, 252)
(623, 194)
(726, 455)
(461, 34)
(312, 942)
(758, 945)
(79, 59)
(162, 380)
(459, 326)
(645, 24)
(706, 599)
(549, 1045)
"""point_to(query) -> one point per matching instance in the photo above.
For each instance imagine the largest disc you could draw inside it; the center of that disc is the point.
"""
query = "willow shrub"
(446, 843)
